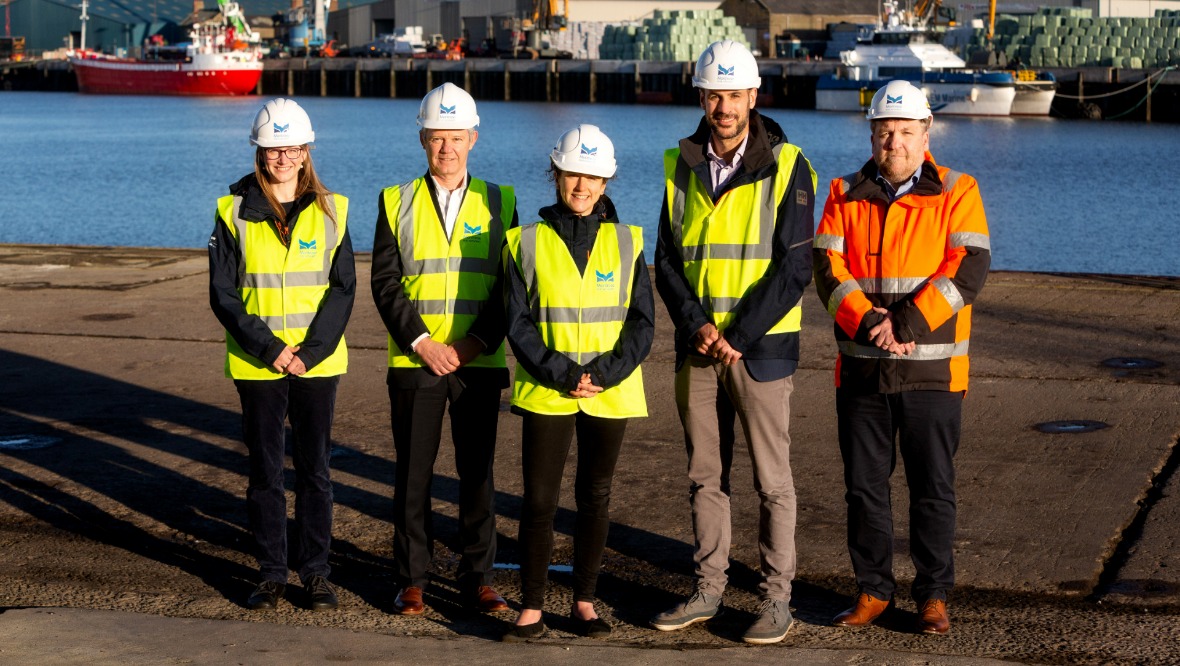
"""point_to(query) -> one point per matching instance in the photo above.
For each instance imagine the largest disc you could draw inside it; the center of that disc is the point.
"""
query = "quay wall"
(1085, 92)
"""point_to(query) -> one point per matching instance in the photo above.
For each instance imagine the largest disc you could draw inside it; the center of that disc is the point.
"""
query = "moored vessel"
(899, 50)
(223, 58)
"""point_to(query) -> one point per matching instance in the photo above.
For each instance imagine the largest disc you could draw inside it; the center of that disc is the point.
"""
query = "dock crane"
(309, 32)
(544, 18)
(233, 15)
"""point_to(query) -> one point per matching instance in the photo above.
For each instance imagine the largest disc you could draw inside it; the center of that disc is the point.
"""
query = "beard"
(738, 129)
(897, 168)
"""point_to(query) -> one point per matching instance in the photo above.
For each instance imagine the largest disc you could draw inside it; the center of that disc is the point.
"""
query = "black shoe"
(321, 594)
(526, 632)
(266, 596)
(596, 628)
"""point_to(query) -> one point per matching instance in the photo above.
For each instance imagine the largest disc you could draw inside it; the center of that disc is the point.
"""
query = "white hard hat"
(899, 99)
(585, 149)
(726, 65)
(281, 122)
(447, 107)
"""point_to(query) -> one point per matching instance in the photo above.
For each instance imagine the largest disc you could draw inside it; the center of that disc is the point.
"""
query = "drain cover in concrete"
(1128, 363)
(26, 442)
(1070, 427)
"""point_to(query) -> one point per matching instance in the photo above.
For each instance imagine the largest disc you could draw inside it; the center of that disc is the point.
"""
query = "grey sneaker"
(772, 624)
(697, 608)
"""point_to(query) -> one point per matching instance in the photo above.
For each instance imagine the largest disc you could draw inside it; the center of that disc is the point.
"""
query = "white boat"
(898, 50)
(1034, 93)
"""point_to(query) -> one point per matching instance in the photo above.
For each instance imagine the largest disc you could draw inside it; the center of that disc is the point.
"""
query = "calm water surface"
(107, 170)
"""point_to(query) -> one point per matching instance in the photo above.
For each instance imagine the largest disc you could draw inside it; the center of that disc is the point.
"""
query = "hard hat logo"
(588, 152)
(447, 110)
(281, 129)
(893, 100)
(722, 71)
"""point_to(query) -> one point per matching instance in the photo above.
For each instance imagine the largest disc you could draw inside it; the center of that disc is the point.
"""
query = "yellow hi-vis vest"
(578, 315)
(727, 246)
(449, 281)
(284, 285)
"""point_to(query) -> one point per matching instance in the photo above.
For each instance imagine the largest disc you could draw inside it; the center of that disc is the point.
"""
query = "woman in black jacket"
(580, 321)
(282, 284)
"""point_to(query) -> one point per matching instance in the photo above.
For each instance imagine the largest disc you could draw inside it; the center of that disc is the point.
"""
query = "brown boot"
(933, 618)
(866, 609)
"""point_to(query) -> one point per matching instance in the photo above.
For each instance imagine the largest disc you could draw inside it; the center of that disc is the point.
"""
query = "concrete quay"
(122, 483)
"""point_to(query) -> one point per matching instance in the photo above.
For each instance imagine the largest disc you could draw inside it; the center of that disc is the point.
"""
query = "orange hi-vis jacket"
(924, 257)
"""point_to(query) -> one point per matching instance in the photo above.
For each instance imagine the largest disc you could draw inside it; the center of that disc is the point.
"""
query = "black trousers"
(545, 447)
(925, 425)
(416, 416)
(266, 406)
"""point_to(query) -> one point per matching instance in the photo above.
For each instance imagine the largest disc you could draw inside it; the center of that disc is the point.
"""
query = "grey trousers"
(708, 395)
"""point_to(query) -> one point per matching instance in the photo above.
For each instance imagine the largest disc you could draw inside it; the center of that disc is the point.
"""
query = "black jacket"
(555, 370)
(768, 300)
(250, 332)
(404, 323)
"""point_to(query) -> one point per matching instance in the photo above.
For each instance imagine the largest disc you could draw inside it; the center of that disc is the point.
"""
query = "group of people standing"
(900, 254)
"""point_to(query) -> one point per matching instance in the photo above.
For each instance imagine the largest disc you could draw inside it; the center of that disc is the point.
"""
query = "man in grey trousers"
(732, 260)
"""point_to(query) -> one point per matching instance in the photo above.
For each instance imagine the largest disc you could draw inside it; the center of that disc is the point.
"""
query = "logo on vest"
(307, 248)
(604, 281)
(471, 233)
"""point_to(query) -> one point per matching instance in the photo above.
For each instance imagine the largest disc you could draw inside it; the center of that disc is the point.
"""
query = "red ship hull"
(133, 77)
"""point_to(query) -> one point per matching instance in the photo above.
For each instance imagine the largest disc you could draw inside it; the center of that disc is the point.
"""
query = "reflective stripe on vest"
(285, 285)
(579, 315)
(449, 280)
(727, 246)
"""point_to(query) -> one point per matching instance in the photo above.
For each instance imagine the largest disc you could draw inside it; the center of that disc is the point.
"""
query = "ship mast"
(85, 18)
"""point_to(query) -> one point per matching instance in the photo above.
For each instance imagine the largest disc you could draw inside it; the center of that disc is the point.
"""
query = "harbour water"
(106, 170)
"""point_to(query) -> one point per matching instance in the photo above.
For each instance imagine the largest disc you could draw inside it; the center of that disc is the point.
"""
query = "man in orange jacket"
(901, 252)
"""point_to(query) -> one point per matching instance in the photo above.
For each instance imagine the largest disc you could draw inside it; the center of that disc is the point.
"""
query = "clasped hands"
(709, 342)
(883, 337)
(288, 363)
(586, 388)
(445, 359)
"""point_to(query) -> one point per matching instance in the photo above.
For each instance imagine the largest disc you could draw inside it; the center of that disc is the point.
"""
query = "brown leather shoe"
(866, 609)
(409, 601)
(933, 618)
(488, 600)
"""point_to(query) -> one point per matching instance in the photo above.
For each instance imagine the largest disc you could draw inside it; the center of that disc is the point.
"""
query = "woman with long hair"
(282, 283)
(580, 320)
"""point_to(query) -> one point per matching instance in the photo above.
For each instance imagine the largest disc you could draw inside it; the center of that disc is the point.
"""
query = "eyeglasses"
(291, 153)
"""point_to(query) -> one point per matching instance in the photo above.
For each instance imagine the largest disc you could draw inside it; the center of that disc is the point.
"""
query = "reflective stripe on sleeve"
(840, 293)
(950, 292)
(971, 239)
(829, 242)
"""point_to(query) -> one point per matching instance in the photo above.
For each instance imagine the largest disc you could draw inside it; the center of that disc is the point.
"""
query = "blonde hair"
(308, 182)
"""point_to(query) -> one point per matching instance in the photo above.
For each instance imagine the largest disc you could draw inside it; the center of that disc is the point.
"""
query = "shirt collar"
(737, 156)
(439, 189)
(896, 193)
